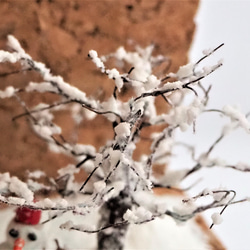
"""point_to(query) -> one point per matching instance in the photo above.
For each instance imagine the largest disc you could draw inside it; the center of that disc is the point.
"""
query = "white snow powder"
(99, 186)
(8, 92)
(217, 218)
(137, 215)
(130, 216)
(242, 166)
(98, 62)
(15, 45)
(185, 71)
(21, 189)
(172, 85)
(46, 203)
(236, 115)
(67, 225)
(40, 87)
(122, 129)
(36, 174)
(152, 82)
(16, 201)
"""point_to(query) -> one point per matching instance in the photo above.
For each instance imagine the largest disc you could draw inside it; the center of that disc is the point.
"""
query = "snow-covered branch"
(115, 178)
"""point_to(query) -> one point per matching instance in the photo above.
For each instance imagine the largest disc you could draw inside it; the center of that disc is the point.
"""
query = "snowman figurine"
(24, 231)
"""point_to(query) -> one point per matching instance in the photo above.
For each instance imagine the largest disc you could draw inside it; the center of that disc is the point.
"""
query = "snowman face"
(31, 236)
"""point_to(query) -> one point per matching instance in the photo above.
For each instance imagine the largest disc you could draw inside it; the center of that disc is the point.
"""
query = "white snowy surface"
(67, 239)
(163, 233)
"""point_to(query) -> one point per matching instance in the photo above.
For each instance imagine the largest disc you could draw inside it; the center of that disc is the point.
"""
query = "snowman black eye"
(32, 236)
(13, 233)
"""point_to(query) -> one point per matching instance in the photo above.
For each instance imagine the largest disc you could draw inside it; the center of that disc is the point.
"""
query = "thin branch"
(79, 228)
(41, 109)
(229, 202)
(157, 185)
(88, 157)
(102, 112)
(13, 72)
(193, 90)
(4, 200)
(213, 110)
(88, 178)
(112, 171)
(161, 91)
(53, 217)
(210, 53)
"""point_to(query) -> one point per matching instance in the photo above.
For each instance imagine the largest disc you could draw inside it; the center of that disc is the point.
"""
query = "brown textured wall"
(60, 33)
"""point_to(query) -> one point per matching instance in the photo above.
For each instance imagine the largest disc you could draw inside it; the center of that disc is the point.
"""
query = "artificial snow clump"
(40, 87)
(130, 216)
(16, 201)
(97, 61)
(5, 177)
(217, 218)
(62, 203)
(8, 57)
(185, 71)
(152, 82)
(21, 189)
(242, 166)
(99, 186)
(120, 177)
(15, 45)
(36, 174)
(173, 85)
(120, 53)
(112, 106)
(46, 131)
(184, 116)
(122, 130)
(4, 182)
(237, 116)
(185, 208)
(46, 203)
(69, 169)
(114, 74)
(67, 225)
(8, 92)
(138, 215)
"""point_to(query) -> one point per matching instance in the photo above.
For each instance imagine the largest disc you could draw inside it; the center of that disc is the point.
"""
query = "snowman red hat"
(25, 231)
(28, 216)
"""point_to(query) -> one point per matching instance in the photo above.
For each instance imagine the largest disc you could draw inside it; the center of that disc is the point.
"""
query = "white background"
(226, 22)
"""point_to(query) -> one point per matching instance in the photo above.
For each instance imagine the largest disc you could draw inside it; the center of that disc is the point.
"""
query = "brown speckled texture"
(60, 33)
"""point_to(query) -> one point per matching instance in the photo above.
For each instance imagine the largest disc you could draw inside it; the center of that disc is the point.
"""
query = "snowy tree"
(118, 187)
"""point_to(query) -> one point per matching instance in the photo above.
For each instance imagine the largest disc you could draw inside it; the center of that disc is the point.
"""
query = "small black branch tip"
(130, 71)
(204, 57)
(88, 178)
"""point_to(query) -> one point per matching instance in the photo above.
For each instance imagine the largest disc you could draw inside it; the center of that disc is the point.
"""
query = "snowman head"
(24, 231)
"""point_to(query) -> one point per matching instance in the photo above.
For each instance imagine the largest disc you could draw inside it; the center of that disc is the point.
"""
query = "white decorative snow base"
(159, 234)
